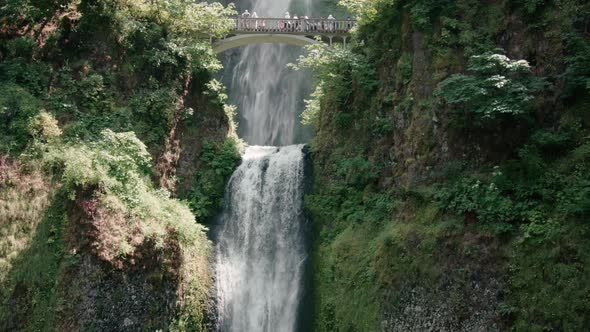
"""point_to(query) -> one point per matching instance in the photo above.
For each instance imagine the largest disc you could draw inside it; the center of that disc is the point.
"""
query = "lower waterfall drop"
(260, 242)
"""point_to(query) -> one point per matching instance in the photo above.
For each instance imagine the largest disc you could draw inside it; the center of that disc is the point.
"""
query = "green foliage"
(222, 160)
(333, 66)
(311, 113)
(17, 108)
(219, 162)
(44, 128)
(30, 294)
(134, 80)
(482, 202)
(421, 13)
(99, 68)
(21, 47)
(524, 219)
(577, 73)
(532, 6)
(546, 195)
(118, 167)
(357, 172)
(153, 110)
(187, 17)
(497, 87)
(25, 12)
(362, 9)
(337, 72)
(549, 279)
(31, 75)
(345, 197)
(24, 197)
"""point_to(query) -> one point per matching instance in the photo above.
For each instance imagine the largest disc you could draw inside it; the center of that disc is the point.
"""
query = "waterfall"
(260, 250)
(269, 96)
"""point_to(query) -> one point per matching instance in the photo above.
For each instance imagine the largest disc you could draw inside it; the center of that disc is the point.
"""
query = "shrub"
(43, 127)
(497, 86)
(117, 167)
(219, 162)
(338, 72)
(477, 201)
(17, 108)
(34, 76)
(311, 113)
(357, 171)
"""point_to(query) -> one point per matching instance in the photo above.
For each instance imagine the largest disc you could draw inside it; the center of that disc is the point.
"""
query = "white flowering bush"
(496, 85)
(44, 127)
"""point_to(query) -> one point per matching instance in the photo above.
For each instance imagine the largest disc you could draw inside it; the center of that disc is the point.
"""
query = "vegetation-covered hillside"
(108, 112)
(449, 185)
(451, 168)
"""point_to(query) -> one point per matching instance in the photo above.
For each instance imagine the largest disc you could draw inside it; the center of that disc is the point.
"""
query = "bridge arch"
(298, 32)
(247, 39)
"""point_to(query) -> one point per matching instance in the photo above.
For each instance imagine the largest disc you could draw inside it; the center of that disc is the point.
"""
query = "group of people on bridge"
(251, 22)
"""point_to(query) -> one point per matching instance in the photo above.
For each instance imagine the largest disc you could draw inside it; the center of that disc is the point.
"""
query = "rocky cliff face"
(79, 258)
(383, 230)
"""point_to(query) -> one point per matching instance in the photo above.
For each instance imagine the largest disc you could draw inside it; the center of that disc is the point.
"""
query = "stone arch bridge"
(298, 32)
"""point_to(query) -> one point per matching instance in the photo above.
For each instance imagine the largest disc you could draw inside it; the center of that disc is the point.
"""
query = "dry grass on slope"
(24, 196)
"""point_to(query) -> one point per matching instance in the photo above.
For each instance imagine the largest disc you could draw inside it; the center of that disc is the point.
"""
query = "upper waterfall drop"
(269, 96)
(260, 247)
(260, 240)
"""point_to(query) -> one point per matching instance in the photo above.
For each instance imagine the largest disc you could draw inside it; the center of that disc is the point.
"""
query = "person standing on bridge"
(254, 15)
(246, 15)
(295, 22)
(331, 24)
(286, 24)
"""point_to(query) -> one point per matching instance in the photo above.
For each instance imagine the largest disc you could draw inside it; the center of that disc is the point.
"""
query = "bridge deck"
(306, 27)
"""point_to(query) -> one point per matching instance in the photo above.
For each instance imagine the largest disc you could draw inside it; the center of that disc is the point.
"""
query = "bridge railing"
(294, 26)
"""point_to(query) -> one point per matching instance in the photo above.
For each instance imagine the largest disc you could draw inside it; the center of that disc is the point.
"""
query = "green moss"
(344, 278)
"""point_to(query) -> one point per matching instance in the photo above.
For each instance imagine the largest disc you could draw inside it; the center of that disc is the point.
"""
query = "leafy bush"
(482, 202)
(549, 278)
(577, 73)
(420, 13)
(337, 71)
(357, 171)
(311, 113)
(21, 47)
(187, 17)
(43, 127)
(537, 189)
(117, 166)
(23, 12)
(17, 108)
(498, 86)
(31, 75)
(219, 162)
(330, 65)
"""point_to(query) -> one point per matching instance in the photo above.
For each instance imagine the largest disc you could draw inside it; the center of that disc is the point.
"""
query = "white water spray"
(260, 252)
